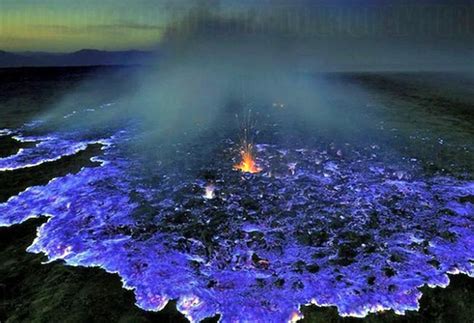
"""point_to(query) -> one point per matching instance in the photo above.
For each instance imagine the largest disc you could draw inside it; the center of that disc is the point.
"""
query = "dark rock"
(397, 257)
(249, 204)
(389, 272)
(279, 282)
(371, 280)
(298, 285)
(435, 263)
(313, 268)
(299, 266)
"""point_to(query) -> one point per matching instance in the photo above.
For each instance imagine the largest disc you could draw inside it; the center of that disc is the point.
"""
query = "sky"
(70, 25)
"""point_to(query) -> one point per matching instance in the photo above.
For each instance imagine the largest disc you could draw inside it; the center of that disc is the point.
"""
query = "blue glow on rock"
(311, 228)
(47, 149)
(4, 132)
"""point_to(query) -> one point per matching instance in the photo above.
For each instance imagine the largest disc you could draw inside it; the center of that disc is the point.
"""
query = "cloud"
(121, 26)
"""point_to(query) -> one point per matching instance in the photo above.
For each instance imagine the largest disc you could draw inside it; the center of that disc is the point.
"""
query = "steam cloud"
(209, 64)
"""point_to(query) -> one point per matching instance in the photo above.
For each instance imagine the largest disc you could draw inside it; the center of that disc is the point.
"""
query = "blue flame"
(313, 229)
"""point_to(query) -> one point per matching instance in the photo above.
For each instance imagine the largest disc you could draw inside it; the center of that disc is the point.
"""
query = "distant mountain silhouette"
(84, 57)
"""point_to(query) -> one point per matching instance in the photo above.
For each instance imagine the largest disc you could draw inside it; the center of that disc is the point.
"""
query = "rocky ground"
(50, 292)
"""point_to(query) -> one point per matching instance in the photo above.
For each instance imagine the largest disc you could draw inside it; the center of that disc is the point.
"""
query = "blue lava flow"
(310, 228)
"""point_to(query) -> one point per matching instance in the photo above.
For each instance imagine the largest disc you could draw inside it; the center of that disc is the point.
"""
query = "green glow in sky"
(68, 25)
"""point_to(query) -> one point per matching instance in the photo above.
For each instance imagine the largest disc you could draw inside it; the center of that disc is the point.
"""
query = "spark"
(209, 192)
(248, 163)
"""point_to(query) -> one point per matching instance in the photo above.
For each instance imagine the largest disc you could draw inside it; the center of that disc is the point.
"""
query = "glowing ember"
(248, 164)
(295, 317)
(209, 192)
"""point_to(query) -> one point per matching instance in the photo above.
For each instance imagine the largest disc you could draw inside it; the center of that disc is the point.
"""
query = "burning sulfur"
(248, 163)
(209, 192)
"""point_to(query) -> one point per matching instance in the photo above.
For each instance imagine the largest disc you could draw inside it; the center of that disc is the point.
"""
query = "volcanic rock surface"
(329, 226)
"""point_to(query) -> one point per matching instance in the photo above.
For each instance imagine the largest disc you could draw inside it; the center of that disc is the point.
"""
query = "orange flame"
(248, 164)
(295, 317)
